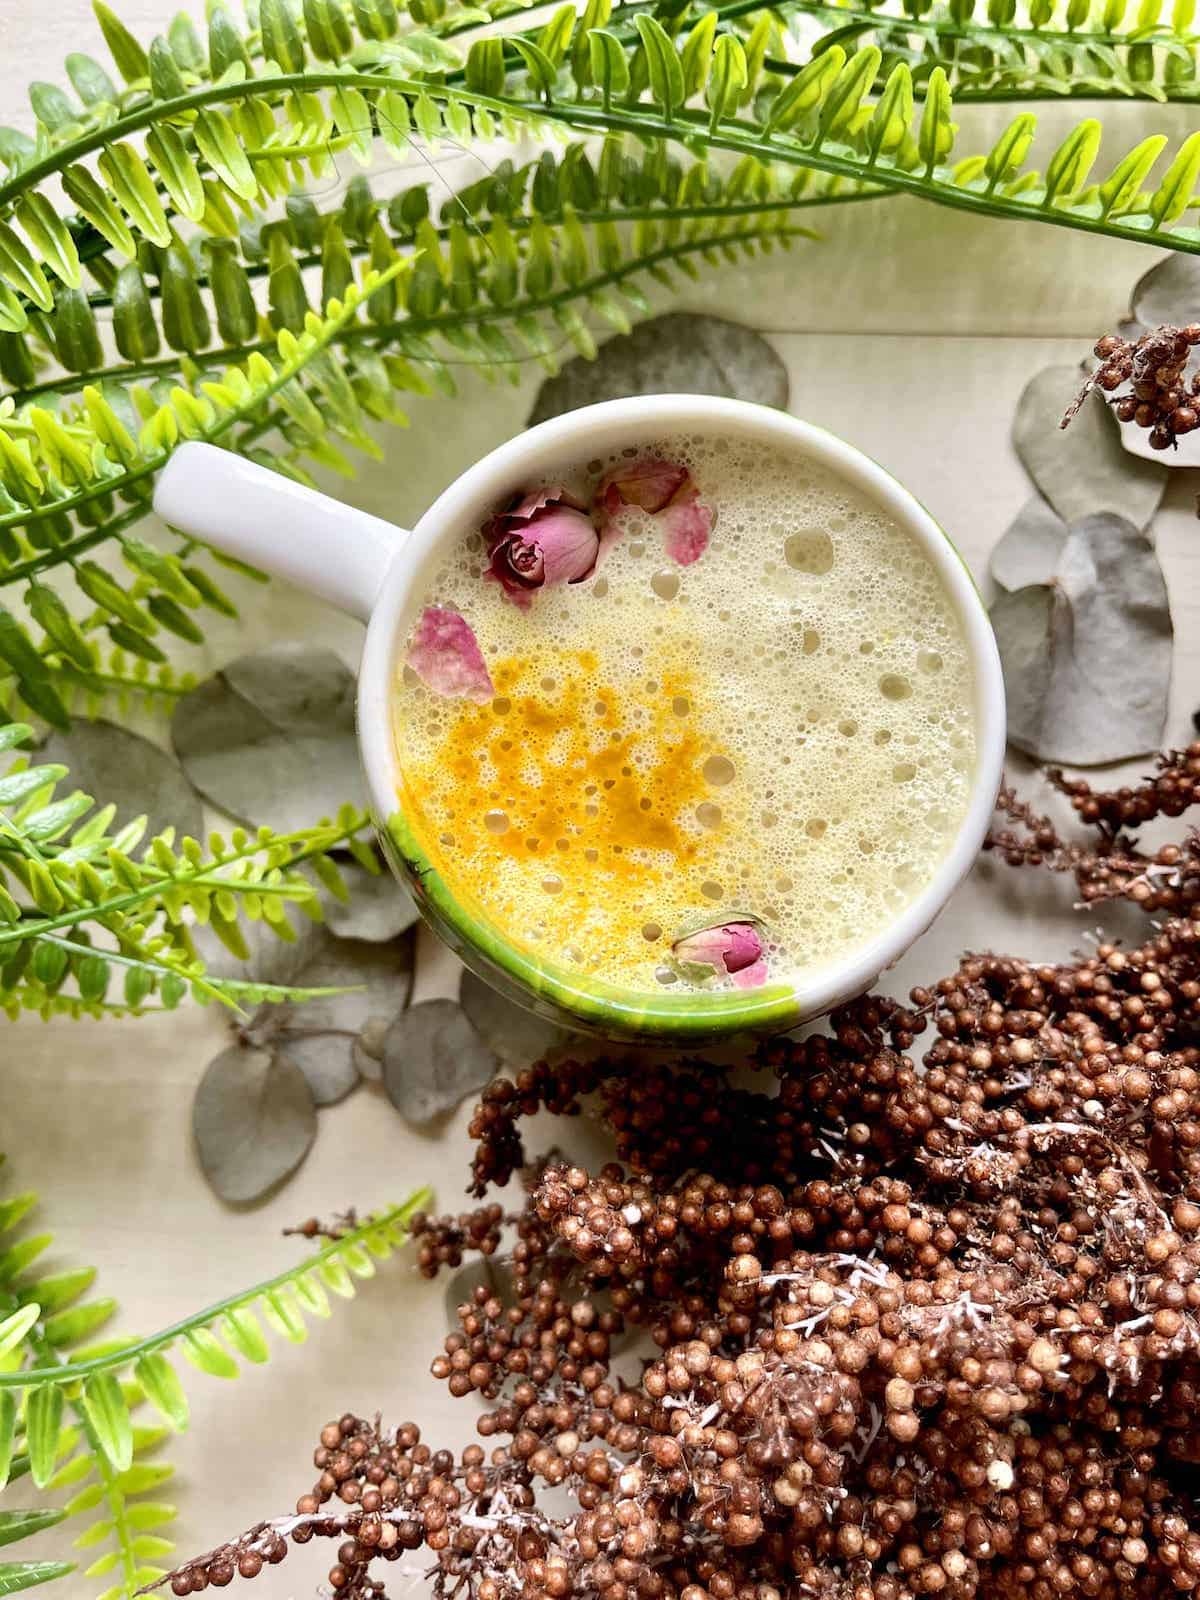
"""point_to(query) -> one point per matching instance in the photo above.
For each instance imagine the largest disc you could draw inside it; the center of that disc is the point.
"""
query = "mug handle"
(271, 522)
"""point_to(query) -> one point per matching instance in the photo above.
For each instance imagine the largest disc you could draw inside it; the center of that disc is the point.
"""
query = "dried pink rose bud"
(543, 538)
(649, 483)
(666, 490)
(728, 949)
(444, 653)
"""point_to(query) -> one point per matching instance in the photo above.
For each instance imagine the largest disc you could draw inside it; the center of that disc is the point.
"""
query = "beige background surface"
(910, 331)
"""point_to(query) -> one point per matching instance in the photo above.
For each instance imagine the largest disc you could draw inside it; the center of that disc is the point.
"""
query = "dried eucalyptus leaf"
(1082, 469)
(1029, 549)
(253, 1120)
(125, 770)
(270, 738)
(1169, 292)
(327, 1062)
(514, 1034)
(1183, 455)
(1087, 657)
(319, 1035)
(367, 1051)
(380, 907)
(680, 353)
(433, 1059)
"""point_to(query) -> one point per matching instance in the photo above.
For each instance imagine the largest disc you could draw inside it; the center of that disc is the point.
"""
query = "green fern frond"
(618, 187)
(1089, 49)
(823, 118)
(996, 49)
(209, 1340)
(62, 492)
(78, 908)
(116, 680)
(16, 1576)
(475, 272)
(68, 1405)
(487, 294)
(217, 145)
(121, 681)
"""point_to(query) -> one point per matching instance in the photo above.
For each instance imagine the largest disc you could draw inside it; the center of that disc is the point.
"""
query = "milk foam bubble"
(783, 728)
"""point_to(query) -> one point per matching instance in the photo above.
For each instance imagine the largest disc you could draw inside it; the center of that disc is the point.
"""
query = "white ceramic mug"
(379, 573)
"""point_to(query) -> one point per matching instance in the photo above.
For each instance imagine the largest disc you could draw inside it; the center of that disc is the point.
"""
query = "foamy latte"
(754, 712)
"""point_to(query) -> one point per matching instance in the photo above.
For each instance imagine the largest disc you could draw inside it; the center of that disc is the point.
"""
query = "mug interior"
(530, 978)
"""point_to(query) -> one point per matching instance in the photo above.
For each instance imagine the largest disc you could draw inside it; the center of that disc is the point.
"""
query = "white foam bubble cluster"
(808, 672)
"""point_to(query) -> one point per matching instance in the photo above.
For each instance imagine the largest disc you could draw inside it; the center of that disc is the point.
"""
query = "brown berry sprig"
(866, 1328)
(441, 1241)
(1167, 792)
(1161, 397)
(313, 1228)
(1110, 865)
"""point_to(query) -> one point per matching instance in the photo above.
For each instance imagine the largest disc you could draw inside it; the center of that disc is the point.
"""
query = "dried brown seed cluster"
(1110, 865)
(441, 1241)
(868, 1330)
(1160, 397)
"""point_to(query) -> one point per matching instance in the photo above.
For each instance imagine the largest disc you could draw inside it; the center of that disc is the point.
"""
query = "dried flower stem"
(1160, 395)
(1111, 866)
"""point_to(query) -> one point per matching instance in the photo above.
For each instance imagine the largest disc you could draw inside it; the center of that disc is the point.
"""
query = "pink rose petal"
(528, 505)
(445, 655)
(666, 490)
(568, 543)
(751, 977)
(648, 483)
(686, 525)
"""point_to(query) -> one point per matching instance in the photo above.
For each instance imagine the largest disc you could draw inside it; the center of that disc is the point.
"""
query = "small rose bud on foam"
(727, 949)
(542, 539)
(444, 653)
(665, 489)
(650, 484)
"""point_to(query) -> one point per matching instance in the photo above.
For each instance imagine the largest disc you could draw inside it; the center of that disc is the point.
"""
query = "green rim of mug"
(593, 1006)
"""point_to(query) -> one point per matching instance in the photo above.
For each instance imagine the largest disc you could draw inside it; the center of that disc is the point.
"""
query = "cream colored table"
(911, 331)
